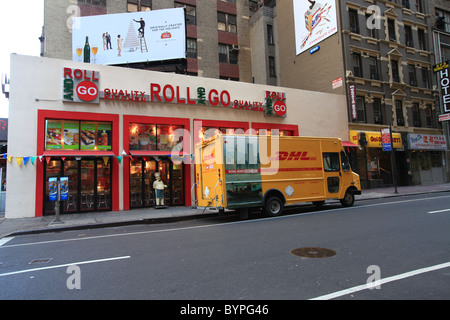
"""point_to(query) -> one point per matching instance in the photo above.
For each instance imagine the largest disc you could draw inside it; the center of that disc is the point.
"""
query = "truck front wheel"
(274, 207)
(349, 199)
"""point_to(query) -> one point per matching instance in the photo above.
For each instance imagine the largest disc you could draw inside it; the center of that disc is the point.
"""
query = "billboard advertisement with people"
(115, 39)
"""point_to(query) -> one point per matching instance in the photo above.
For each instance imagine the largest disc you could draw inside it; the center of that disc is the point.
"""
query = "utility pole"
(393, 161)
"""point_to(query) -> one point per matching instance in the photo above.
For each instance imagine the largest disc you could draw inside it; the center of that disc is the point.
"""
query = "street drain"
(41, 261)
(311, 252)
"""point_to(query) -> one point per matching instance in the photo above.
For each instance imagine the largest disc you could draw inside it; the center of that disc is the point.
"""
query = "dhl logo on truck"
(292, 156)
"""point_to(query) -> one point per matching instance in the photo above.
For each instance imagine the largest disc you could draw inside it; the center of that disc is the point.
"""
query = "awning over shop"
(58, 153)
(349, 144)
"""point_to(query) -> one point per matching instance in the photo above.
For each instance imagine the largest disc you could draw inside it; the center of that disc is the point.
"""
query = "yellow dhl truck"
(239, 172)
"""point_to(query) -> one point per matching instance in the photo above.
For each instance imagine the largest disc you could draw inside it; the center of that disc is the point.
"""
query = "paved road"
(404, 240)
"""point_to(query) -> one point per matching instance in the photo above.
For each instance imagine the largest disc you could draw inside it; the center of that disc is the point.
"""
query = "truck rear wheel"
(349, 199)
(274, 207)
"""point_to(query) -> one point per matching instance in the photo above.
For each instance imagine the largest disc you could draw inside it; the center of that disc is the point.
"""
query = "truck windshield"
(345, 162)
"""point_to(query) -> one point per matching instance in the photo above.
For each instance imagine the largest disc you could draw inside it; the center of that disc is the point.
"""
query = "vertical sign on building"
(353, 102)
(442, 69)
(386, 139)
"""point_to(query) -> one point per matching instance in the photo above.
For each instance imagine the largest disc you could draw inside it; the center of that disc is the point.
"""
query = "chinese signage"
(81, 86)
(314, 22)
(426, 142)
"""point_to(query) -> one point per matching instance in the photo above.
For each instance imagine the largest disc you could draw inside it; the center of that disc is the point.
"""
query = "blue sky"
(21, 24)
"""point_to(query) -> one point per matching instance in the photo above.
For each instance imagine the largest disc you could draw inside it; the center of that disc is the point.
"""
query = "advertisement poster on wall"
(130, 37)
(53, 189)
(314, 22)
(64, 189)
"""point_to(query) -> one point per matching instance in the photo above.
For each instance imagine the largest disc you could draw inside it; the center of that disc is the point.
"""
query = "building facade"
(124, 126)
(383, 55)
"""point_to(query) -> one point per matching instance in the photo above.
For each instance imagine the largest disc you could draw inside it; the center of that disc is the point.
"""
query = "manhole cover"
(45, 260)
(313, 252)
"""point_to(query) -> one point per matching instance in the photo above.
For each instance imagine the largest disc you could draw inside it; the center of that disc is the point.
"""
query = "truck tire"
(349, 199)
(273, 207)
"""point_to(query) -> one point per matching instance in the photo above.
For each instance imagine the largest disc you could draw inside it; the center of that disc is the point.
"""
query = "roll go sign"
(81, 86)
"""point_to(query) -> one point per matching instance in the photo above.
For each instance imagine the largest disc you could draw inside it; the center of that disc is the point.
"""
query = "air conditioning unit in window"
(235, 47)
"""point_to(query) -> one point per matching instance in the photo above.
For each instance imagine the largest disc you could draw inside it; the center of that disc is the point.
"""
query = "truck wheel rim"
(274, 207)
(348, 198)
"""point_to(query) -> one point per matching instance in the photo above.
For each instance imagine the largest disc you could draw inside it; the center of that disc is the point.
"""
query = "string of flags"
(32, 159)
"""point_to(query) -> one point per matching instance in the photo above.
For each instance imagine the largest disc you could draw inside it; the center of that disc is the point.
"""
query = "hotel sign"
(442, 68)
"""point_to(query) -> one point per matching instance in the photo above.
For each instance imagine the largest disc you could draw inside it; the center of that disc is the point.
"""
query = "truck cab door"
(332, 174)
(347, 177)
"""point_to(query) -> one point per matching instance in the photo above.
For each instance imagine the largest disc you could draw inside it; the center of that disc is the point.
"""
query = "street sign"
(444, 117)
(386, 139)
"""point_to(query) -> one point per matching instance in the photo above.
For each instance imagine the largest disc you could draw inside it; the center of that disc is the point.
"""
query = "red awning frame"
(349, 144)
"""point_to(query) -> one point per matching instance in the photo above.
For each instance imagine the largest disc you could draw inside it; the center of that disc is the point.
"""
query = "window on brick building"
(139, 5)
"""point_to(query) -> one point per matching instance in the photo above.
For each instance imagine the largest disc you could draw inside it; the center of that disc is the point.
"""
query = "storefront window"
(274, 132)
(167, 139)
(154, 137)
(142, 136)
(78, 135)
(142, 177)
(209, 132)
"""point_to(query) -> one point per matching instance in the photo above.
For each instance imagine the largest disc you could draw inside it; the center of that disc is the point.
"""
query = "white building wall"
(36, 83)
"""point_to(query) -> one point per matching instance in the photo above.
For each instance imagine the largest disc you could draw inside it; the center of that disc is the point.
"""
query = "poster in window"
(104, 136)
(88, 135)
(53, 135)
(72, 135)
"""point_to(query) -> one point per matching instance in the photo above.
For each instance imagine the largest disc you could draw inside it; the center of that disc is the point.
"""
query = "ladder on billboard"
(143, 44)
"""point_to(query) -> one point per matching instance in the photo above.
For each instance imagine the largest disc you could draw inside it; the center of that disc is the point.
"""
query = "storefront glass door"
(71, 171)
(142, 176)
(89, 185)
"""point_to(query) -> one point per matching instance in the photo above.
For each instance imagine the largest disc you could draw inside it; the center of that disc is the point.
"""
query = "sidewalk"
(15, 227)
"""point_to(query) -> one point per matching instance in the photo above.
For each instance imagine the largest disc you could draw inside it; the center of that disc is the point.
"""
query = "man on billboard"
(141, 29)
